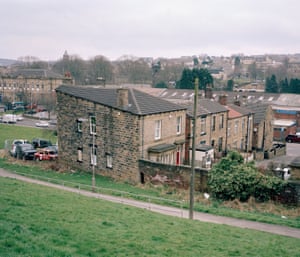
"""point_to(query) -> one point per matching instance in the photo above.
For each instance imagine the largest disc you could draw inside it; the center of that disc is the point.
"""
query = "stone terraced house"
(113, 128)
(211, 126)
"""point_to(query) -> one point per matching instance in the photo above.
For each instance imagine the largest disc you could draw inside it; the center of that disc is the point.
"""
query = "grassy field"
(266, 212)
(12, 131)
(39, 221)
(263, 212)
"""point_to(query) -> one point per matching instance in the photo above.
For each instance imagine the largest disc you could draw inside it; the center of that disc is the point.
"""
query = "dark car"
(41, 143)
(293, 139)
(25, 151)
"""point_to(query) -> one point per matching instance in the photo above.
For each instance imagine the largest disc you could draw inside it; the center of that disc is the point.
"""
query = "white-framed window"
(79, 154)
(79, 125)
(109, 160)
(93, 155)
(229, 129)
(178, 125)
(157, 132)
(203, 125)
(92, 125)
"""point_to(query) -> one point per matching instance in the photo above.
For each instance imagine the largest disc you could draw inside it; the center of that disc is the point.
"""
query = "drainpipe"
(143, 133)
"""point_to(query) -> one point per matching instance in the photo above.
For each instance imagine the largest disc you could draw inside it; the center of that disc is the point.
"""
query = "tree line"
(282, 86)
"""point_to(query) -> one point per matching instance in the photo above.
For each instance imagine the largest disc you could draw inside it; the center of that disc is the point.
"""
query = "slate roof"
(237, 111)
(205, 106)
(35, 73)
(140, 103)
(288, 100)
(259, 111)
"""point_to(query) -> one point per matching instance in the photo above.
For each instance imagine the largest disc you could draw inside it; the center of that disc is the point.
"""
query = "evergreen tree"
(284, 86)
(230, 84)
(188, 78)
(271, 85)
(295, 86)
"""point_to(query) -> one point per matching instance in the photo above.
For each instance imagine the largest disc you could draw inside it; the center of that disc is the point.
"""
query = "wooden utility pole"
(192, 180)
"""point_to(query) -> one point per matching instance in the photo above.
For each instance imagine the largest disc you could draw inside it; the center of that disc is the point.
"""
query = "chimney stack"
(223, 99)
(122, 97)
(208, 93)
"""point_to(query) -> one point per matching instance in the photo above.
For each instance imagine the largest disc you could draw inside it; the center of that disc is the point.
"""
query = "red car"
(293, 139)
(46, 154)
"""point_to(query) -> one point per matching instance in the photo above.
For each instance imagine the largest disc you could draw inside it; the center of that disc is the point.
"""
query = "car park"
(48, 154)
(25, 151)
(293, 138)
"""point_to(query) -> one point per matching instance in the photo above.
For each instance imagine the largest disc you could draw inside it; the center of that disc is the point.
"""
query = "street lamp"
(93, 124)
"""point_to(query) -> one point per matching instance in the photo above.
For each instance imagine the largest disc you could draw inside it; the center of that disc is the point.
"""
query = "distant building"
(28, 85)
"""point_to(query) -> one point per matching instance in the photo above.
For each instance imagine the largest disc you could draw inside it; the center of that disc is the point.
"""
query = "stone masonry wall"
(173, 175)
(117, 135)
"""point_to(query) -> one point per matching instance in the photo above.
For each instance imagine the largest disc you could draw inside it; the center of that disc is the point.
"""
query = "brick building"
(112, 129)
(286, 110)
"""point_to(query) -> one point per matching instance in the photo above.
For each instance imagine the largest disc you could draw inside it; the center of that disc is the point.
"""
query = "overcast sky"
(144, 28)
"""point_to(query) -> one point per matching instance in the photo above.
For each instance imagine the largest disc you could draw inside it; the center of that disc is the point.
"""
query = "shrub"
(231, 178)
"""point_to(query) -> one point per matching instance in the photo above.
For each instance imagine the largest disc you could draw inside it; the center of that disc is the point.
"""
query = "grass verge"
(265, 212)
(39, 221)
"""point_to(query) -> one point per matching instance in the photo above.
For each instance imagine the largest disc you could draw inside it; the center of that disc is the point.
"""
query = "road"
(292, 151)
(177, 212)
(30, 122)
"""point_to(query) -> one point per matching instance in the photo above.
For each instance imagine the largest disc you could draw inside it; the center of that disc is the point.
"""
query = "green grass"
(40, 221)
(12, 131)
(109, 186)
(155, 194)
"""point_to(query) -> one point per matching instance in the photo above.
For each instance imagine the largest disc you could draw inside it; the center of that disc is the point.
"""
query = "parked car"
(25, 151)
(48, 154)
(293, 139)
(42, 124)
(41, 143)
(14, 144)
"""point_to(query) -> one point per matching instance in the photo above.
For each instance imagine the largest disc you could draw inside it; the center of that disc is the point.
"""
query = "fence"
(138, 200)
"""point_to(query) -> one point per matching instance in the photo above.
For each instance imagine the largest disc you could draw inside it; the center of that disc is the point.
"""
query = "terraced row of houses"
(111, 130)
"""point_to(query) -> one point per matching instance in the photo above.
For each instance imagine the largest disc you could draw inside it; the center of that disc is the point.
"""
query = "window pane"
(92, 124)
(79, 154)
(158, 129)
(178, 125)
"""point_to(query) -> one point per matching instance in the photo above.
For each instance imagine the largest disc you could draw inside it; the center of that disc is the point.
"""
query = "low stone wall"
(173, 175)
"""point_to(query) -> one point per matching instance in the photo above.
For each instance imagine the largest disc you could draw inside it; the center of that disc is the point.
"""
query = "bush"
(231, 178)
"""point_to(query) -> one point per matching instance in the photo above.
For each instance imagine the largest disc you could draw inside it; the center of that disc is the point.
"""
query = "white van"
(9, 118)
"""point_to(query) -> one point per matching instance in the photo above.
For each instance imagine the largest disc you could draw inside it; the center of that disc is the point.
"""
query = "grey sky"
(156, 28)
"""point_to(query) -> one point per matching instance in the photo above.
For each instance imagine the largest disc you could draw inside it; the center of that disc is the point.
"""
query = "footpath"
(172, 211)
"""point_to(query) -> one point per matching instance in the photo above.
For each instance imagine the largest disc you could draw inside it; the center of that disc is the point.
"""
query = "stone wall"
(172, 175)
(117, 135)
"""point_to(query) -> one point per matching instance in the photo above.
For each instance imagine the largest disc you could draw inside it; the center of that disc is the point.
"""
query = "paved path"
(275, 229)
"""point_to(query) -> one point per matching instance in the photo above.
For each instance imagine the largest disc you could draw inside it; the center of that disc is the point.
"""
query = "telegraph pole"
(192, 181)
